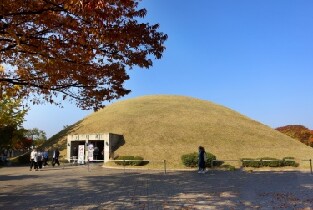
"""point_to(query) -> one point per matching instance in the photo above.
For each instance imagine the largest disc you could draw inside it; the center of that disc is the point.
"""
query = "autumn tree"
(12, 113)
(311, 139)
(75, 49)
(20, 141)
(299, 132)
(11, 119)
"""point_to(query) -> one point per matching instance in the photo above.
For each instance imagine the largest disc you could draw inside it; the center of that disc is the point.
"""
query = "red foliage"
(298, 132)
(22, 143)
(78, 50)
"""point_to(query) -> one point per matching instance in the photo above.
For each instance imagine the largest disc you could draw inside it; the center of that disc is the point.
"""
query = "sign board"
(81, 154)
(90, 152)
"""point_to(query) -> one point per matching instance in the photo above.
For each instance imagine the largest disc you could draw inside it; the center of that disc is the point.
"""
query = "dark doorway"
(74, 148)
(98, 149)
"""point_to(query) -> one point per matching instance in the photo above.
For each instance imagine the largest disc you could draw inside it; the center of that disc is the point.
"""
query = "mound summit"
(164, 127)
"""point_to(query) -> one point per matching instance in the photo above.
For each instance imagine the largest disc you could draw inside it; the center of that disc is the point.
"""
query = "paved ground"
(76, 187)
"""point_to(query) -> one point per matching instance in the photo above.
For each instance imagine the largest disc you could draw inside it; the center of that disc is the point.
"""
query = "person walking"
(45, 157)
(33, 160)
(4, 155)
(55, 157)
(39, 159)
(201, 160)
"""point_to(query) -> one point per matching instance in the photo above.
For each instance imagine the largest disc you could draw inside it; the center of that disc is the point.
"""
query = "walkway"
(76, 187)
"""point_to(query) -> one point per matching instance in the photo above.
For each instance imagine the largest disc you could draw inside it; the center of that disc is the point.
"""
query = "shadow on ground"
(100, 188)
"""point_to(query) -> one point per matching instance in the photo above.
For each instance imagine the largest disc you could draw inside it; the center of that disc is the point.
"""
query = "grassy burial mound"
(164, 127)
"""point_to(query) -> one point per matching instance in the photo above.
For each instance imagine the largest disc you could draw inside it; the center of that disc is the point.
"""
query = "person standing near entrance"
(55, 157)
(96, 152)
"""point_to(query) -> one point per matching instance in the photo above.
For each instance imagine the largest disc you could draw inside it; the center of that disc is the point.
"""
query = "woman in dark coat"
(55, 157)
(201, 160)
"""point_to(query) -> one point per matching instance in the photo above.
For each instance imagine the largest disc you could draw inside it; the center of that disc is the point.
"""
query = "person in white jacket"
(33, 160)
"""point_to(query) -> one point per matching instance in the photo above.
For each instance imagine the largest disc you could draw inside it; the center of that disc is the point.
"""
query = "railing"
(212, 162)
(164, 162)
(310, 160)
(73, 161)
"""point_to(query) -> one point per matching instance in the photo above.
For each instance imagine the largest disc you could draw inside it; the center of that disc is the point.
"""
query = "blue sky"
(253, 56)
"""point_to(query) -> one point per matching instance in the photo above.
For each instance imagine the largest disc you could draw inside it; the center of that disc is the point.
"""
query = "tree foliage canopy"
(36, 134)
(77, 49)
(12, 112)
(298, 132)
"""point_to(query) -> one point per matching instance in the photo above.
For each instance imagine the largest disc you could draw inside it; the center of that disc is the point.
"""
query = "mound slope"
(163, 127)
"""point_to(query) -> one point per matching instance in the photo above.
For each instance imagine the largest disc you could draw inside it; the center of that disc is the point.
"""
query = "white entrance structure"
(92, 147)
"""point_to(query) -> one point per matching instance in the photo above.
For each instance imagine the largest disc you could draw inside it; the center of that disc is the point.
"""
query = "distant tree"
(77, 49)
(15, 138)
(298, 132)
(65, 126)
(311, 139)
(38, 136)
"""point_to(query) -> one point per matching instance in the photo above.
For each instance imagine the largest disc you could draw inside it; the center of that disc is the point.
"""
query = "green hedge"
(191, 159)
(271, 162)
(249, 162)
(290, 161)
(268, 162)
(137, 161)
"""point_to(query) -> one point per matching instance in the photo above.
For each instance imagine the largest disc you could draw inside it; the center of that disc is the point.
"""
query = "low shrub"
(139, 161)
(210, 158)
(271, 162)
(130, 161)
(249, 162)
(268, 162)
(191, 159)
(231, 168)
(289, 158)
(290, 161)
